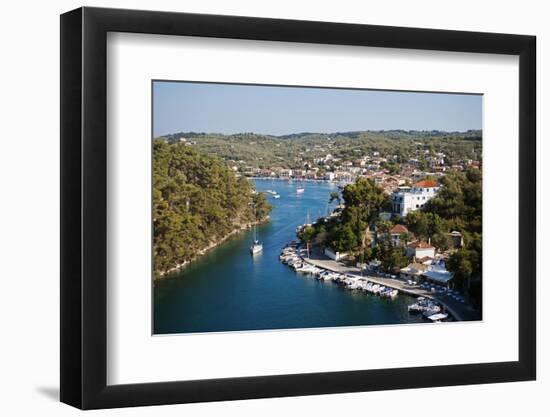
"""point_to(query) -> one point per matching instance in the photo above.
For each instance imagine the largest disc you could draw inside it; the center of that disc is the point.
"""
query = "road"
(460, 311)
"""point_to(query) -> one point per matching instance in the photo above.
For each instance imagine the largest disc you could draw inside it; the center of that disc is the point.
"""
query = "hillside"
(198, 201)
(250, 150)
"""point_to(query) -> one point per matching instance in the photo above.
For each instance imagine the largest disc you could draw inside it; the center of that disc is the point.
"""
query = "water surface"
(228, 289)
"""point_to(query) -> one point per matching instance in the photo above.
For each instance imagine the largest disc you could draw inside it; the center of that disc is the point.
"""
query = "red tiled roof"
(398, 229)
(421, 245)
(426, 184)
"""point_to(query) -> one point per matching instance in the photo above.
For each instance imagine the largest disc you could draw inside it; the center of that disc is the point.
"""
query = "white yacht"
(257, 246)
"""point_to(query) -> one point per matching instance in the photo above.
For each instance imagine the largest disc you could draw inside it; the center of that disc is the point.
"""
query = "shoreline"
(292, 179)
(388, 282)
(210, 247)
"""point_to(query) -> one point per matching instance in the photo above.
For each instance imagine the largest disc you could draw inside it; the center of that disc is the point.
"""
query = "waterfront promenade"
(460, 311)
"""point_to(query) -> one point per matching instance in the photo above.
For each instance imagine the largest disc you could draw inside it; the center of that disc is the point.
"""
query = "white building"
(330, 176)
(420, 250)
(405, 201)
(335, 255)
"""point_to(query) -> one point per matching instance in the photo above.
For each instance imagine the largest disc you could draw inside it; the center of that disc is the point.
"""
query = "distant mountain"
(395, 133)
(250, 150)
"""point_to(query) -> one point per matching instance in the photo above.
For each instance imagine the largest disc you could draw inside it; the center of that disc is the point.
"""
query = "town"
(407, 214)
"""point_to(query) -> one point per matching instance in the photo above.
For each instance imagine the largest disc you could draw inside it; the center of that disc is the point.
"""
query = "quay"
(461, 312)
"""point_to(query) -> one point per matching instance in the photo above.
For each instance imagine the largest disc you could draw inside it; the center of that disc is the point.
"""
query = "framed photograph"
(257, 208)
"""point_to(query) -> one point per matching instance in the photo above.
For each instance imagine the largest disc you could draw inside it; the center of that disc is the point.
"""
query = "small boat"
(424, 305)
(431, 310)
(306, 268)
(300, 189)
(256, 247)
(438, 317)
(276, 196)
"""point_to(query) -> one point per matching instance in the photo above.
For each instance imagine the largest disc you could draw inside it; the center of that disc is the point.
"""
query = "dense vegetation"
(250, 150)
(197, 201)
(459, 204)
(457, 207)
(347, 232)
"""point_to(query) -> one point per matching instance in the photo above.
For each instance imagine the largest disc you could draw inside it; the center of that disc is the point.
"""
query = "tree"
(197, 201)
(461, 266)
(426, 224)
(263, 207)
(366, 196)
(418, 223)
(372, 253)
(363, 201)
(392, 258)
(442, 241)
(335, 196)
(345, 239)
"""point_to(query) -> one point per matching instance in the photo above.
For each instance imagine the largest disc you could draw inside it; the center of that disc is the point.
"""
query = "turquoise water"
(229, 290)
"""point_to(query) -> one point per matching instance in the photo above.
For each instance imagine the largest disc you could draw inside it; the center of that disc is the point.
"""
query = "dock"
(461, 312)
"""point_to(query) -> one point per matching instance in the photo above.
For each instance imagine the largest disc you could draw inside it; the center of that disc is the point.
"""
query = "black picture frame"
(84, 207)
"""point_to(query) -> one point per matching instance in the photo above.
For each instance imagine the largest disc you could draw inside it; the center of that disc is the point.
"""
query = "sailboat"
(257, 246)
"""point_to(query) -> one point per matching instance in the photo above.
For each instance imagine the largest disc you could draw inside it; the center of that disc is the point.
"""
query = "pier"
(461, 312)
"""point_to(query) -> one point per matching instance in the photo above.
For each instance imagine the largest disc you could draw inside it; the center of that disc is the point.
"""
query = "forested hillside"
(197, 202)
(291, 151)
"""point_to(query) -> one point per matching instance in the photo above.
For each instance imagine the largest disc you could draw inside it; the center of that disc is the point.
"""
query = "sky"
(275, 110)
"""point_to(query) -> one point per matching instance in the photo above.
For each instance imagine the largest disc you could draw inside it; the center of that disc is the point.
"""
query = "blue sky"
(231, 108)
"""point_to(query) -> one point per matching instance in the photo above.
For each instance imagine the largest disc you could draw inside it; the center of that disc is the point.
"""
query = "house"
(396, 232)
(336, 256)
(420, 249)
(413, 271)
(405, 201)
(426, 260)
(457, 239)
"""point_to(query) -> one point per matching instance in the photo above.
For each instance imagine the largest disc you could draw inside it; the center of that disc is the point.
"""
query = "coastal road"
(461, 312)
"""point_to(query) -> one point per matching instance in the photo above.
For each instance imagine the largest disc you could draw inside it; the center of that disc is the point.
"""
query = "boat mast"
(255, 237)
(306, 225)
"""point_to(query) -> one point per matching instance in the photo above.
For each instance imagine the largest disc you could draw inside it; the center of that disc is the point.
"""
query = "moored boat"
(256, 247)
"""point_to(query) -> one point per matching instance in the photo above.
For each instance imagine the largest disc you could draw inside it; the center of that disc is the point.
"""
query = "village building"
(335, 255)
(405, 201)
(330, 176)
(434, 274)
(457, 239)
(420, 249)
(413, 271)
(396, 233)
(426, 260)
